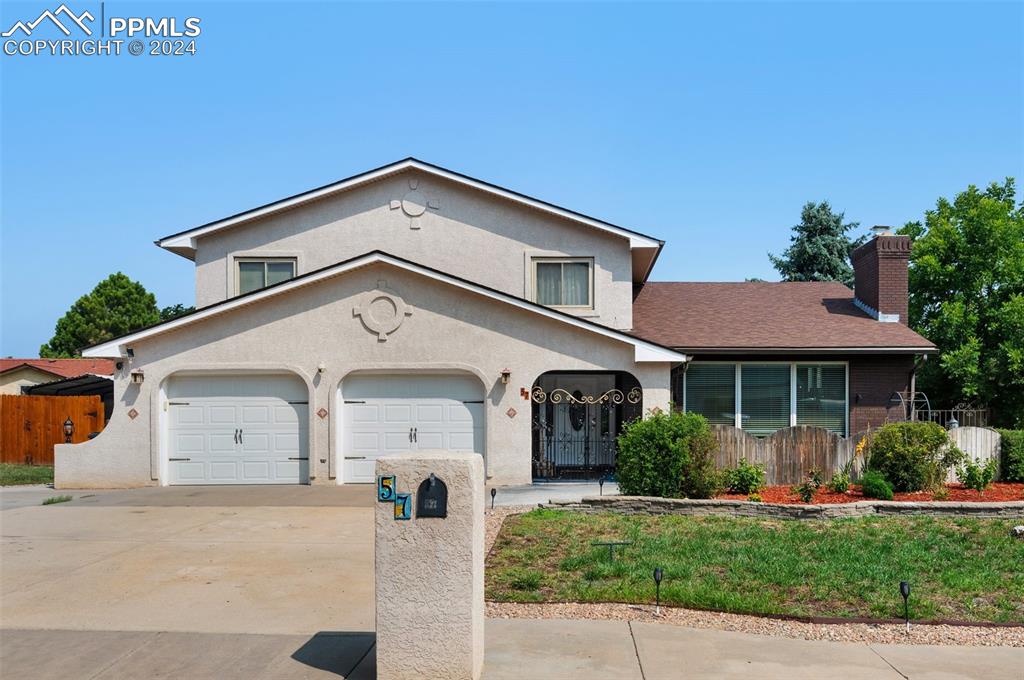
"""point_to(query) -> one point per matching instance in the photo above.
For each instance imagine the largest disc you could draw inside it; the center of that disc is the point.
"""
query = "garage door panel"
(188, 415)
(220, 415)
(461, 413)
(285, 415)
(429, 413)
(190, 443)
(396, 441)
(223, 470)
(256, 470)
(187, 472)
(397, 413)
(363, 413)
(220, 443)
(461, 441)
(286, 443)
(365, 441)
(255, 443)
(255, 415)
(430, 440)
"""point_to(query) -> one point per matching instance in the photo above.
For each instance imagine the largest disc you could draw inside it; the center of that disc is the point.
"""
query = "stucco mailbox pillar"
(430, 569)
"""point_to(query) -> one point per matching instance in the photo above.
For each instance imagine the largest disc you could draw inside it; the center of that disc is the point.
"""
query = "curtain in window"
(576, 283)
(711, 392)
(764, 397)
(549, 283)
(821, 396)
(250, 276)
(279, 271)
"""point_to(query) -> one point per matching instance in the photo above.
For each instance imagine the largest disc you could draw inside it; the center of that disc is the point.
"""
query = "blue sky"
(707, 125)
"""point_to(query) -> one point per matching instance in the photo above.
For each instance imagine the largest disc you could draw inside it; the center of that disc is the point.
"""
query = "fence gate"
(30, 426)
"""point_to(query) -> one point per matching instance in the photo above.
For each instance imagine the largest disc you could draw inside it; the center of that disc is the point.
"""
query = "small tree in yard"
(667, 455)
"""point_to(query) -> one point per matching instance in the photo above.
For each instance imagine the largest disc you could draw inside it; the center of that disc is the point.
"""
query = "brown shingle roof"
(65, 368)
(768, 316)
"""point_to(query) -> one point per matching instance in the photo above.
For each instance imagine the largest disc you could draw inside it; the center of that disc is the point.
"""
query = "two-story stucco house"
(414, 307)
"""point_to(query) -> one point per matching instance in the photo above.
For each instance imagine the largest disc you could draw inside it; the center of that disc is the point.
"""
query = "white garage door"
(394, 413)
(237, 430)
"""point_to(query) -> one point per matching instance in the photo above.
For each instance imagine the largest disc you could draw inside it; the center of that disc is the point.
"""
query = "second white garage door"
(394, 413)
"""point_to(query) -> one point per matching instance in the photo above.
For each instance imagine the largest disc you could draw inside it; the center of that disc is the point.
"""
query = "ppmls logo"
(166, 36)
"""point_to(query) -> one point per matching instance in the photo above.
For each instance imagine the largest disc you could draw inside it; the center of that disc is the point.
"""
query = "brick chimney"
(880, 275)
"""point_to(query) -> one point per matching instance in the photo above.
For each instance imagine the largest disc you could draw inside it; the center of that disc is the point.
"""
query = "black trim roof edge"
(569, 317)
(406, 160)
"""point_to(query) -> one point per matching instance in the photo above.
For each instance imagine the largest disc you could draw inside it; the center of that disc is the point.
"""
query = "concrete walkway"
(542, 492)
(516, 650)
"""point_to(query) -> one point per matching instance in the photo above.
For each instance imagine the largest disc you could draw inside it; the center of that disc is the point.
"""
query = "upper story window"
(564, 282)
(256, 273)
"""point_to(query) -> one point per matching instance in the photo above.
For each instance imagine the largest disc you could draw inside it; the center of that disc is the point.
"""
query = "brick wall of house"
(880, 274)
(873, 380)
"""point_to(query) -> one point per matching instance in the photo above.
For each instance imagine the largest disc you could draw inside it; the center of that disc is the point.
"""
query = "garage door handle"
(415, 434)
(240, 441)
(178, 459)
(236, 435)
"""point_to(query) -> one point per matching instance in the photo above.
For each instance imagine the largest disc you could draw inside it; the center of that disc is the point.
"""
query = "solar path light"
(905, 592)
(494, 492)
(658, 574)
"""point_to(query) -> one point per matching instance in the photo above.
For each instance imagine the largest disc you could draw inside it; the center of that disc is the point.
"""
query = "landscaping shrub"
(667, 454)
(701, 478)
(977, 477)
(755, 498)
(744, 478)
(809, 486)
(1012, 444)
(874, 485)
(840, 482)
(913, 456)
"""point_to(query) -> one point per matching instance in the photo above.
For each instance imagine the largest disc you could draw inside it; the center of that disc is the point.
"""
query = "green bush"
(744, 478)
(874, 485)
(840, 482)
(667, 455)
(755, 498)
(1013, 455)
(701, 478)
(978, 477)
(810, 485)
(913, 456)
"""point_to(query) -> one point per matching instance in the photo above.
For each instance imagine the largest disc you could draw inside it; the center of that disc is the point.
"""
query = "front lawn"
(960, 569)
(12, 474)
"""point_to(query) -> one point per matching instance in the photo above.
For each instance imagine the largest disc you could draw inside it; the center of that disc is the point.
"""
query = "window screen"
(764, 397)
(821, 396)
(711, 392)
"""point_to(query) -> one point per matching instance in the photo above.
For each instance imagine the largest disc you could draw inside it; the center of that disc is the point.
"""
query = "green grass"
(12, 474)
(963, 569)
(56, 499)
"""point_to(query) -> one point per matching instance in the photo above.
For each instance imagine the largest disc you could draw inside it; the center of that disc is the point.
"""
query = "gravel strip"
(838, 632)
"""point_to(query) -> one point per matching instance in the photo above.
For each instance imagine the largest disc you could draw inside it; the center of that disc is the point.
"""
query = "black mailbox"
(432, 498)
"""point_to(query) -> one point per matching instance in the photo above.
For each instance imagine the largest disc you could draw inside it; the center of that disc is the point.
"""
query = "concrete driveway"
(277, 583)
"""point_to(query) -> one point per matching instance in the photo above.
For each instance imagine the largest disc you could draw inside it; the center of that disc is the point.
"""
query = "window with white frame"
(563, 282)
(255, 273)
(764, 397)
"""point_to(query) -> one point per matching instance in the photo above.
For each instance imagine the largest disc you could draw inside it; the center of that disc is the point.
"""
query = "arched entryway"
(576, 418)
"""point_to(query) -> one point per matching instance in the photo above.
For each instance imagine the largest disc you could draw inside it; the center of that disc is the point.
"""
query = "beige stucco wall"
(471, 235)
(12, 381)
(449, 330)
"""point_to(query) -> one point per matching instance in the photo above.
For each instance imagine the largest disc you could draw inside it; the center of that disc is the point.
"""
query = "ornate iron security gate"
(574, 434)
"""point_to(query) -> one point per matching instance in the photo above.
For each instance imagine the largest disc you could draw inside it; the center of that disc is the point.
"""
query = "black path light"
(600, 485)
(658, 574)
(905, 592)
(69, 429)
(494, 492)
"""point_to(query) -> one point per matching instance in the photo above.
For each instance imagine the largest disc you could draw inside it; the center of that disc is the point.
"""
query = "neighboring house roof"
(770, 317)
(184, 242)
(644, 350)
(79, 384)
(64, 368)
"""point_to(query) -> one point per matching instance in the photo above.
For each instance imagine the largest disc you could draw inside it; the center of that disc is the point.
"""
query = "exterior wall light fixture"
(505, 375)
(138, 376)
(69, 429)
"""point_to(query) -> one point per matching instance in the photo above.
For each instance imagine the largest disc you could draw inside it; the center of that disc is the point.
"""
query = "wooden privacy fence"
(30, 426)
(788, 454)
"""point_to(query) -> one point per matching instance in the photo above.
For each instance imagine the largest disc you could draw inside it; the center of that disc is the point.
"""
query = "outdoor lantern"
(505, 375)
(905, 592)
(69, 429)
(657, 589)
(953, 423)
(494, 492)
(138, 376)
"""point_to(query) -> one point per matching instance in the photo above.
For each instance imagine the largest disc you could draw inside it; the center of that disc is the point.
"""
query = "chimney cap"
(882, 230)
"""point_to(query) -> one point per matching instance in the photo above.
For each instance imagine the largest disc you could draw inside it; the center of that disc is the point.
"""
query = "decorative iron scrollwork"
(613, 396)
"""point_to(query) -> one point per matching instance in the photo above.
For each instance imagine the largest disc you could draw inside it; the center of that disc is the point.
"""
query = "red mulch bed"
(999, 491)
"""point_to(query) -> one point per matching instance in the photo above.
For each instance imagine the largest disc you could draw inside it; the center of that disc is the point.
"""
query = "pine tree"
(819, 248)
